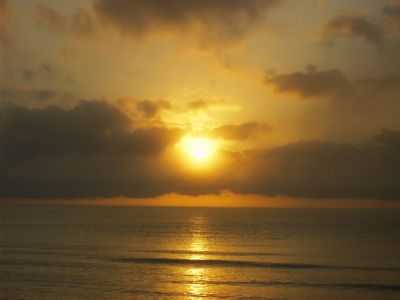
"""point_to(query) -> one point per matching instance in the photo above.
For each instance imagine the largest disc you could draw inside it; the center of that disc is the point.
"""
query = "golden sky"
(149, 98)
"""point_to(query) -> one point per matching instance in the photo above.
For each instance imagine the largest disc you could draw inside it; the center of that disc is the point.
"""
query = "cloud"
(145, 112)
(242, 131)
(44, 71)
(33, 97)
(151, 109)
(95, 150)
(198, 105)
(213, 21)
(207, 105)
(311, 83)
(363, 105)
(353, 26)
(5, 39)
(334, 84)
(80, 24)
(3, 12)
(90, 127)
(392, 13)
(392, 10)
(91, 150)
(321, 169)
(51, 18)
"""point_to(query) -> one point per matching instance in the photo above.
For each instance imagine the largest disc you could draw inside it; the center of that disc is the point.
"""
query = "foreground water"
(72, 253)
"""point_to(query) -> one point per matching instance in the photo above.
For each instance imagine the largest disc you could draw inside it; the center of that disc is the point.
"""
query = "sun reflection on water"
(198, 244)
(196, 288)
(198, 247)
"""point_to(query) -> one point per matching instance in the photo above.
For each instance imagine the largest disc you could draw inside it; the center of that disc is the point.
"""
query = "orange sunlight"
(198, 151)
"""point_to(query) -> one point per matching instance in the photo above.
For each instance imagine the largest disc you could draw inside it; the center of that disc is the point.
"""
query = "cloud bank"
(242, 131)
(322, 169)
(80, 24)
(353, 27)
(4, 16)
(311, 83)
(392, 13)
(91, 150)
(95, 150)
(213, 21)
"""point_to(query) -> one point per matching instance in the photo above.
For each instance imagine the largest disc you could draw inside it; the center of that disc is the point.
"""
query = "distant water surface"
(129, 253)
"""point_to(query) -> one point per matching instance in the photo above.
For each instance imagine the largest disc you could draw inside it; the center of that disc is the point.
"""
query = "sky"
(287, 101)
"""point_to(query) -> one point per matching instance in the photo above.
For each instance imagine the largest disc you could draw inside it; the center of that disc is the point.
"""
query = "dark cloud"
(95, 150)
(151, 109)
(311, 83)
(33, 97)
(353, 26)
(242, 131)
(392, 13)
(392, 10)
(334, 84)
(3, 4)
(215, 21)
(198, 105)
(51, 18)
(43, 71)
(5, 39)
(363, 105)
(379, 85)
(91, 150)
(90, 127)
(207, 105)
(28, 74)
(46, 69)
(81, 23)
(392, 17)
(3, 12)
(319, 169)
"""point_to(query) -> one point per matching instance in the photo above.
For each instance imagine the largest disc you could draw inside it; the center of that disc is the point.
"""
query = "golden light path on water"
(198, 246)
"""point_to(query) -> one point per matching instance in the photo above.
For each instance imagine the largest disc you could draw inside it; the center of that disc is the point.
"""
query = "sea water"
(50, 252)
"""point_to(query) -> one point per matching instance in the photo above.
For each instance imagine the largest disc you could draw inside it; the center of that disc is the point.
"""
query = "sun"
(200, 150)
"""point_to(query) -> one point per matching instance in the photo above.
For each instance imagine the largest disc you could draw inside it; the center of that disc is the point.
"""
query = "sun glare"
(199, 149)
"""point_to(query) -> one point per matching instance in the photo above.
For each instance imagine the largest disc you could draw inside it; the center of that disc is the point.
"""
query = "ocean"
(54, 252)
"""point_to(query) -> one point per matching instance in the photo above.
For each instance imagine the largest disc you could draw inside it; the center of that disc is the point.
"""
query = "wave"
(248, 264)
(256, 283)
(42, 263)
(190, 295)
(217, 253)
(62, 249)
